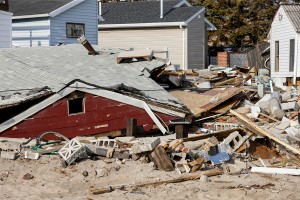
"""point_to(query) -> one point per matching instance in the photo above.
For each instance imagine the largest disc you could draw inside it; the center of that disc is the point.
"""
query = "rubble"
(231, 128)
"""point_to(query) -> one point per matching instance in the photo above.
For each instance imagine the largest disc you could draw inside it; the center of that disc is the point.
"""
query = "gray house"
(50, 22)
(177, 30)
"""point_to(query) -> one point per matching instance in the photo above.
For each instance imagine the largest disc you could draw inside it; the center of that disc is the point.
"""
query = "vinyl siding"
(31, 32)
(5, 29)
(281, 31)
(86, 13)
(142, 38)
(197, 43)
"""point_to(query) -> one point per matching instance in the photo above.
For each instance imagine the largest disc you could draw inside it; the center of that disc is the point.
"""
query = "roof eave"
(210, 27)
(65, 7)
(141, 25)
(30, 16)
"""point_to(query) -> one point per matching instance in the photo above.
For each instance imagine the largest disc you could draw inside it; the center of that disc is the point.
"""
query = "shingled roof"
(26, 71)
(293, 13)
(35, 7)
(146, 12)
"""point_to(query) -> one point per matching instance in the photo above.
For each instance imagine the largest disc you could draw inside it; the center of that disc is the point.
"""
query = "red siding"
(101, 115)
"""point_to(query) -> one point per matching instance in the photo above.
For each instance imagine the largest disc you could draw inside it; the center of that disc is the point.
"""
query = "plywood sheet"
(198, 103)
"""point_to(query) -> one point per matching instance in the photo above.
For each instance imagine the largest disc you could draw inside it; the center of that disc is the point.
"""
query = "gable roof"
(24, 71)
(42, 8)
(293, 13)
(147, 12)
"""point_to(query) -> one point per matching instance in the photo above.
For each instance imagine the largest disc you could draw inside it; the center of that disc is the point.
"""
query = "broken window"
(76, 103)
(292, 54)
(74, 30)
(276, 56)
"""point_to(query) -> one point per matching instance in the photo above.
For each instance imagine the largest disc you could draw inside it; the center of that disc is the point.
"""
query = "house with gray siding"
(284, 37)
(5, 29)
(176, 30)
(53, 22)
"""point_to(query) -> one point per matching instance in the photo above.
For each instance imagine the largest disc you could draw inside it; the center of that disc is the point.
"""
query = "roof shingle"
(145, 12)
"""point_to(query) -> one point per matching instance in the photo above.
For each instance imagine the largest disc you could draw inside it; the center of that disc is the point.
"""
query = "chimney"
(4, 5)
(161, 9)
(87, 45)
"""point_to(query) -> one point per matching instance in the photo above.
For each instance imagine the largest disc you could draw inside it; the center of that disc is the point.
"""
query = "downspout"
(296, 61)
(183, 47)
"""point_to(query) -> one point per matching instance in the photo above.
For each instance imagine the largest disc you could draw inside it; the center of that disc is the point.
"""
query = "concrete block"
(104, 143)
(30, 155)
(144, 145)
(218, 126)
(255, 110)
(290, 106)
(243, 110)
(261, 90)
(267, 97)
(232, 142)
(182, 167)
(127, 139)
(72, 150)
(292, 131)
(9, 155)
(10, 146)
(275, 107)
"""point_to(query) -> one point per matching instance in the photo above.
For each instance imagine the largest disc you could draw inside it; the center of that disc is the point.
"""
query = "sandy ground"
(51, 181)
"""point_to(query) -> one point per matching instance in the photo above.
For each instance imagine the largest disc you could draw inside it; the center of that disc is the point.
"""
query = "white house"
(173, 29)
(5, 29)
(284, 43)
(51, 22)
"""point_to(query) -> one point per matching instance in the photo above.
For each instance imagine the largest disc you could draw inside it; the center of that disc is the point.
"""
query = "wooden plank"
(275, 120)
(181, 131)
(145, 54)
(256, 129)
(201, 103)
(161, 159)
(131, 127)
(220, 134)
(178, 179)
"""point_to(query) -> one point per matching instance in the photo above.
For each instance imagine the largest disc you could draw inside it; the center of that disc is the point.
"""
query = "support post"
(181, 131)
(131, 127)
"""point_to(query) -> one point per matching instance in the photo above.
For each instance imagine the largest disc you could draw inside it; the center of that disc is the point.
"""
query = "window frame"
(292, 56)
(83, 106)
(74, 23)
(277, 56)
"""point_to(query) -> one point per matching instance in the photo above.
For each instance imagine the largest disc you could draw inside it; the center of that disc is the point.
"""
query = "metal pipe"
(100, 8)
(161, 8)
(87, 45)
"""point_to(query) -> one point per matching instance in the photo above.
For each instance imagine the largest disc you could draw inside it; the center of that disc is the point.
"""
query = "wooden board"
(256, 129)
(161, 159)
(145, 54)
(203, 102)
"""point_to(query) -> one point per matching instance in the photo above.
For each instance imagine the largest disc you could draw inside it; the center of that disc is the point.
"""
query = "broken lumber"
(262, 114)
(219, 134)
(257, 130)
(161, 159)
(181, 178)
(271, 170)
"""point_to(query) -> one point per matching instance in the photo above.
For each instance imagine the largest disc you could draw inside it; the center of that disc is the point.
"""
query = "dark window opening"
(292, 54)
(75, 30)
(276, 56)
(76, 106)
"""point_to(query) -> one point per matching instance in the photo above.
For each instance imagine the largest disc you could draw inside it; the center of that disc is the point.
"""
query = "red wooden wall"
(101, 115)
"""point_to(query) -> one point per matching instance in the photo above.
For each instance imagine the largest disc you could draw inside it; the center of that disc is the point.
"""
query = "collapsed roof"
(28, 73)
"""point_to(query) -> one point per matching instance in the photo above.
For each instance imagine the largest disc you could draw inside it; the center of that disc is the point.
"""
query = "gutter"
(141, 25)
(30, 16)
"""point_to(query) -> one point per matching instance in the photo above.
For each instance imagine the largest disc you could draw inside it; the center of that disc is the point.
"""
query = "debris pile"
(240, 123)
